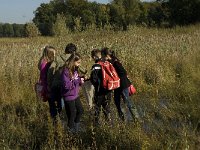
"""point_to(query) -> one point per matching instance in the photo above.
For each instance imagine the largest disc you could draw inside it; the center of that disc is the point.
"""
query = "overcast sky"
(21, 11)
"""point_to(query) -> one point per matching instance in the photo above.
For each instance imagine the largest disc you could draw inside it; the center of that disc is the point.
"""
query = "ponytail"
(106, 51)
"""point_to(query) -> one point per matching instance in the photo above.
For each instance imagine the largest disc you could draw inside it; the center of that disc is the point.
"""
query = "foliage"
(117, 15)
(120, 14)
(59, 27)
(18, 30)
(8, 30)
(31, 30)
(184, 12)
(11, 30)
(45, 18)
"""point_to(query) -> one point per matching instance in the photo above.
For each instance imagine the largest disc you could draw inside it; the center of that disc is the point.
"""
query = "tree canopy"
(80, 15)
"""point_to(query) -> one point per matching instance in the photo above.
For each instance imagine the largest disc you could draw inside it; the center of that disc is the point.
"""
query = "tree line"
(62, 16)
(18, 30)
(11, 30)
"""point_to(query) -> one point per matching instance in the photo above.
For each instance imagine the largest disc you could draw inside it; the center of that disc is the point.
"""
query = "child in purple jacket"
(48, 56)
(71, 82)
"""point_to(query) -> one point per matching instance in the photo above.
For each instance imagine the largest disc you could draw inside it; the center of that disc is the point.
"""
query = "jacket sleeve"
(94, 77)
(68, 83)
(43, 72)
(77, 81)
(39, 64)
(120, 69)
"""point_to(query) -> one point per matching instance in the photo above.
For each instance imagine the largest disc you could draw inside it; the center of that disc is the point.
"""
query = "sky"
(21, 11)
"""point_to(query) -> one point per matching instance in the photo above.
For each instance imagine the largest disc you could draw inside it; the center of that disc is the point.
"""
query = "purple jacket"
(44, 65)
(70, 86)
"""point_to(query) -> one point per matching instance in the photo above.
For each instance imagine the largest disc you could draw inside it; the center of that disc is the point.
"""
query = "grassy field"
(163, 64)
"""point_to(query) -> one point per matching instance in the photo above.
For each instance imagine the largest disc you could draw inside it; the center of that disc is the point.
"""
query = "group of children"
(62, 75)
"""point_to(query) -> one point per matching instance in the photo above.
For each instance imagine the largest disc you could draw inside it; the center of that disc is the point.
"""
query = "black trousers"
(74, 111)
(104, 102)
(55, 102)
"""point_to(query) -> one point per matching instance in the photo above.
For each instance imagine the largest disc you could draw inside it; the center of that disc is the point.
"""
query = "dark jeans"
(104, 101)
(74, 110)
(55, 102)
(118, 93)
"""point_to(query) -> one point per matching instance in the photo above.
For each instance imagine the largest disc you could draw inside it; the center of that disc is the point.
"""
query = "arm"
(43, 71)
(95, 74)
(39, 64)
(77, 80)
(120, 69)
(42, 65)
(68, 83)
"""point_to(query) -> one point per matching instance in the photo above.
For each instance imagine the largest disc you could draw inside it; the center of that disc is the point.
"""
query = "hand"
(82, 80)
(86, 78)
(75, 77)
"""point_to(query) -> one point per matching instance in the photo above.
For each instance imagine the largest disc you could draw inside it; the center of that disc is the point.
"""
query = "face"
(107, 57)
(98, 56)
(51, 55)
(77, 63)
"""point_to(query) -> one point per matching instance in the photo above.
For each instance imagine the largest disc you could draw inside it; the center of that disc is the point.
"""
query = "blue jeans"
(118, 93)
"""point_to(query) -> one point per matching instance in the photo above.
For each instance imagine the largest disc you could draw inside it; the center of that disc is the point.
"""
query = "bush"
(31, 30)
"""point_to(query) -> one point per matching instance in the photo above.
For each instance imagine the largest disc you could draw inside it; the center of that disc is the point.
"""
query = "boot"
(72, 130)
(121, 116)
(78, 128)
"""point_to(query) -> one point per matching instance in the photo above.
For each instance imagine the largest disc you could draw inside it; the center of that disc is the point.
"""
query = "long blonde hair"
(69, 64)
(48, 54)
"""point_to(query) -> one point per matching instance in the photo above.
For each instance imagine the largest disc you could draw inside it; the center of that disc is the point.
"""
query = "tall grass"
(163, 64)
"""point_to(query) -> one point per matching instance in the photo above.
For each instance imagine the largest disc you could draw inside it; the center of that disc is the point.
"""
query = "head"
(73, 62)
(96, 54)
(49, 53)
(107, 54)
(70, 48)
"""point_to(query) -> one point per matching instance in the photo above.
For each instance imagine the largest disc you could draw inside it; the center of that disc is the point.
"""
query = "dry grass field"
(163, 64)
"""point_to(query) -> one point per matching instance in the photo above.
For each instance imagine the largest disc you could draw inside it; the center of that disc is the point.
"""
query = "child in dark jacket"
(102, 97)
(71, 82)
(123, 90)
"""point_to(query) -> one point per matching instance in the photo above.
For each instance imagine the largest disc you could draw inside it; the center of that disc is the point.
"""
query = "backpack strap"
(61, 56)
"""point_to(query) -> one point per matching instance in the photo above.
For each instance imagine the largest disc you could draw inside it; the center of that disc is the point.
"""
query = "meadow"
(163, 65)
